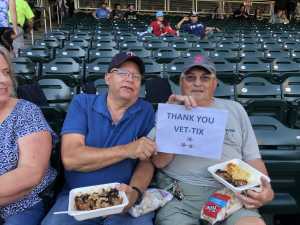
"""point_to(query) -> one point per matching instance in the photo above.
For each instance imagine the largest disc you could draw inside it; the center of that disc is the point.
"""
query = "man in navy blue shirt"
(193, 26)
(103, 141)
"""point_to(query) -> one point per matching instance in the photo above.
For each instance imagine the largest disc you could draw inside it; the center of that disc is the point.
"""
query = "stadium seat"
(76, 53)
(285, 67)
(226, 71)
(96, 69)
(249, 66)
(181, 45)
(103, 38)
(130, 44)
(276, 108)
(168, 38)
(49, 42)
(63, 68)
(291, 88)
(191, 52)
(271, 55)
(140, 52)
(235, 46)
(102, 52)
(57, 92)
(152, 68)
(24, 68)
(125, 36)
(77, 42)
(59, 35)
(228, 54)
(175, 67)
(155, 44)
(246, 54)
(205, 45)
(280, 149)
(165, 55)
(37, 54)
(85, 35)
(104, 44)
(256, 88)
(224, 90)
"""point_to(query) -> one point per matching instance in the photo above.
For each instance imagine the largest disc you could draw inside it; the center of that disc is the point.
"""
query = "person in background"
(257, 15)
(248, 5)
(192, 25)
(160, 26)
(25, 148)
(131, 13)
(7, 34)
(189, 174)
(103, 141)
(116, 13)
(24, 14)
(240, 13)
(103, 12)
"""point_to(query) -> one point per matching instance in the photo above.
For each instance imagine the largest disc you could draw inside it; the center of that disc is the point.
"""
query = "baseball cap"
(123, 57)
(199, 61)
(193, 13)
(159, 13)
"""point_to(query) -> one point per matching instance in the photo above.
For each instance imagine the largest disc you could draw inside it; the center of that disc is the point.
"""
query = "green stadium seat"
(102, 52)
(96, 69)
(165, 55)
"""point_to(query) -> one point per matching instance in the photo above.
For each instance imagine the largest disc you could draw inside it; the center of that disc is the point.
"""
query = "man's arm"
(13, 14)
(178, 26)
(141, 179)
(79, 157)
(29, 16)
(161, 160)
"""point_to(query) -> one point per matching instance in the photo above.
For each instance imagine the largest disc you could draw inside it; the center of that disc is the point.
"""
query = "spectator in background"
(247, 4)
(160, 26)
(192, 25)
(291, 8)
(131, 13)
(116, 13)
(103, 12)
(25, 148)
(24, 14)
(240, 13)
(257, 15)
(7, 34)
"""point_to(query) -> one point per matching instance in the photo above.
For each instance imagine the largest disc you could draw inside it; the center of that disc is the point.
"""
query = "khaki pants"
(187, 211)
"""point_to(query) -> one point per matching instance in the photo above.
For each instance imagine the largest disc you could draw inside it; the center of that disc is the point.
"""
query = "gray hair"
(7, 58)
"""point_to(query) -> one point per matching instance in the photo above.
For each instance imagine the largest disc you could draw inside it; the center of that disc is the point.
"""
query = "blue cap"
(159, 13)
(122, 57)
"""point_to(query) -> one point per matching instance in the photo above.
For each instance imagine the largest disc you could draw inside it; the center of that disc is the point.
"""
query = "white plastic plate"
(89, 214)
(254, 179)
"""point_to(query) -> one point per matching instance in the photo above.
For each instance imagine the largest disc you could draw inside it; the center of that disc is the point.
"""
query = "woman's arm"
(13, 14)
(34, 155)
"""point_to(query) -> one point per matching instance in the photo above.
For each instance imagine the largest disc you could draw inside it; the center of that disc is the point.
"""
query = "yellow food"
(237, 173)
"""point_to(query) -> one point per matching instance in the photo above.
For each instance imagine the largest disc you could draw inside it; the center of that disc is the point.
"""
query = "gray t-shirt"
(239, 142)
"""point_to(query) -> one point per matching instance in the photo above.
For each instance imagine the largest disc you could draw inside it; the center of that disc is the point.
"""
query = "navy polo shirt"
(88, 115)
(197, 29)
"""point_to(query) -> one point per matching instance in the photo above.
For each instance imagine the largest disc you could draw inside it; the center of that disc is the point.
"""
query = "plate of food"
(237, 175)
(95, 201)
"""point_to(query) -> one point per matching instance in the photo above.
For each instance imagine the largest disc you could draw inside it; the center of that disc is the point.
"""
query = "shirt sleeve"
(250, 149)
(31, 120)
(76, 118)
(27, 11)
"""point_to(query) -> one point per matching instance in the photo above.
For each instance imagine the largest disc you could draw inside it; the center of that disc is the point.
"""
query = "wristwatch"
(140, 195)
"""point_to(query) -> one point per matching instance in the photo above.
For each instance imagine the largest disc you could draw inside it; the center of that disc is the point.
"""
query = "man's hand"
(131, 194)
(188, 101)
(254, 200)
(186, 18)
(142, 148)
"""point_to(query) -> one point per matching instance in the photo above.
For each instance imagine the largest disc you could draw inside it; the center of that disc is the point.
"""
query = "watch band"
(140, 195)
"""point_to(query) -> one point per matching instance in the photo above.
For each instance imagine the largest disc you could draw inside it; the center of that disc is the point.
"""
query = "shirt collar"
(100, 106)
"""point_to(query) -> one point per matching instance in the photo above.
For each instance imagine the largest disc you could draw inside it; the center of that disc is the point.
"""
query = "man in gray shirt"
(198, 83)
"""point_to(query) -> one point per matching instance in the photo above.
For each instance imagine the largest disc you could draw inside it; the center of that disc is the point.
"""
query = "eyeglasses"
(192, 78)
(125, 73)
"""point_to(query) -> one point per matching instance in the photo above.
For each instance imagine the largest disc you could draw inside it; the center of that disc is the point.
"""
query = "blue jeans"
(62, 202)
(31, 216)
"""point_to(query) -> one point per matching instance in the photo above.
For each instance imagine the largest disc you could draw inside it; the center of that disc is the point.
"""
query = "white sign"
(197, 132)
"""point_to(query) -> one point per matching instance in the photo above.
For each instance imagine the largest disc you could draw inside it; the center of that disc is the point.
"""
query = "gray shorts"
(187, 211)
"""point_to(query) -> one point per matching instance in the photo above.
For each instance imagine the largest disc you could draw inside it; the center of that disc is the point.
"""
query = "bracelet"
(140, 195)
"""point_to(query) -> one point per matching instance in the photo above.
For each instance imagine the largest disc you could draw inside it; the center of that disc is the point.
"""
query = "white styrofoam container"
(254, 179)
(89, 214)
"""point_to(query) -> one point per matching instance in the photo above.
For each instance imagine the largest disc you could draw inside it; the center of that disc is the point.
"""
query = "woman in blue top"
(6, 33)
(25, 148)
